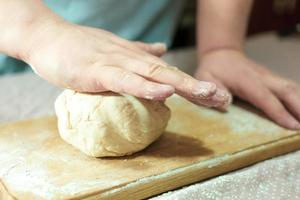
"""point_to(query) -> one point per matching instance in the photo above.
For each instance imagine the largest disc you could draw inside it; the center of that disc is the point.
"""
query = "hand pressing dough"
(109, 124)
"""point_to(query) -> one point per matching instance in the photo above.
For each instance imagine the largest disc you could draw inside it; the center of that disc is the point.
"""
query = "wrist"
(43, 32)
(23, 29)
(219, 49)
(219, 57)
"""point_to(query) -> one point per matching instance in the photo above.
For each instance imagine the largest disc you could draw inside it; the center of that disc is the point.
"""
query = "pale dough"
(109, 124)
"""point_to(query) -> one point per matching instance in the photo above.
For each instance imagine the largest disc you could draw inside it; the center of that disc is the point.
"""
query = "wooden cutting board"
(199, 143)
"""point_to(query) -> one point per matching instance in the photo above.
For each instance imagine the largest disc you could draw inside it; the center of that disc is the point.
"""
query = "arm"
(221, 32)
(93, 60)
(20, 23)
(221, 24)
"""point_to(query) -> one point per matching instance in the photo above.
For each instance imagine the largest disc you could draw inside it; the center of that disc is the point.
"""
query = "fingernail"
(160, 45)
(165, 88)
(159, 92)
(204, 89)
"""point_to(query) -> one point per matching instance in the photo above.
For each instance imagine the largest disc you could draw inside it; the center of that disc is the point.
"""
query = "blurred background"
(281, 16)
(273, 37)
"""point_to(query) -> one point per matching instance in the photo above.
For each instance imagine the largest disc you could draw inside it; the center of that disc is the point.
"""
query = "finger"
(199, 92)
(263, 98)
(122, 81)
(214, 101)
(210, 78)
(289, 93)
(156, 49)
(182, 82)
(220, 85)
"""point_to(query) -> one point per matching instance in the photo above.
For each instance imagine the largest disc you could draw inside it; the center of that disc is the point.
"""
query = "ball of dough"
(109, 124)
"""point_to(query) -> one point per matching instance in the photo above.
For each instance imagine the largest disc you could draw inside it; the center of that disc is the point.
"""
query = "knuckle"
(88, 83)
(123, 78)
(154, 70)
(118, 82)
(187, 84)
(95, 84)
(289, 88)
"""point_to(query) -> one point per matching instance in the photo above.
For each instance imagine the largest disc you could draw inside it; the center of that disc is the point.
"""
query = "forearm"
(21, 22)
(221, 24)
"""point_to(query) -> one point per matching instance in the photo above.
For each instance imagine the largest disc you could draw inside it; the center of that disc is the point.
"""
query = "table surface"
(24, 96)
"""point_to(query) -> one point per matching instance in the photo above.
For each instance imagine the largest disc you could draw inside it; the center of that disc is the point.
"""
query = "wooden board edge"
(157, 184)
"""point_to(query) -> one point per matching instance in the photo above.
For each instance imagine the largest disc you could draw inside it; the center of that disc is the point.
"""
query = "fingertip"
(157, 91)
(162, 47)
(293, 124)
(288, 121)
(216, 98)
(222, 96)
(156, 49)
(166, 88)
(226, 104)
(204, 90)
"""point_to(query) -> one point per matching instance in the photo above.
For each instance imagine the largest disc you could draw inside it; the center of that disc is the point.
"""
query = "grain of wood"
(199, 143)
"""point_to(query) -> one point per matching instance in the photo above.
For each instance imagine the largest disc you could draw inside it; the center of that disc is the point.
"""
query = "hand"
(279, 98)
(93, 60)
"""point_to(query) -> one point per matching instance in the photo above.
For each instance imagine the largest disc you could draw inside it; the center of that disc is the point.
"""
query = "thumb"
(156, 49)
